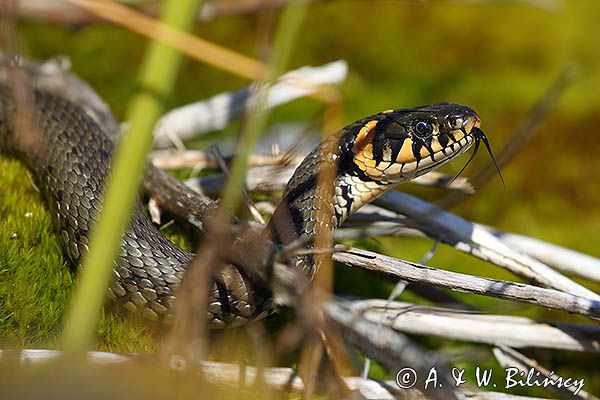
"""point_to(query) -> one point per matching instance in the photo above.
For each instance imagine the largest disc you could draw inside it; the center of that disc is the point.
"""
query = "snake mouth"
(432, 160)
(410, 157)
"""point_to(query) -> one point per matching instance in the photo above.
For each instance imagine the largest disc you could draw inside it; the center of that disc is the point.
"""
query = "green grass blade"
(288, 29)
(157, 77)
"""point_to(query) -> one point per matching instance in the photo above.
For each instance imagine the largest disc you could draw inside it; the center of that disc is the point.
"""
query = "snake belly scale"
(71, 159)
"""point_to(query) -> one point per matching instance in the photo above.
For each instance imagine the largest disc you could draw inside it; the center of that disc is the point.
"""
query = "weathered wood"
(564, 259)
(393, 350)
(218, 111)
(480, 328)
(465, 236)
(398, 269)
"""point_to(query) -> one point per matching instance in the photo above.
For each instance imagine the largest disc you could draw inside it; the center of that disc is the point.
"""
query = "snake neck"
(322, 193)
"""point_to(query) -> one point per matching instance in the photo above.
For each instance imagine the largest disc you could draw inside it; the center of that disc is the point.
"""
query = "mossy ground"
(498, 59)
(37, 278)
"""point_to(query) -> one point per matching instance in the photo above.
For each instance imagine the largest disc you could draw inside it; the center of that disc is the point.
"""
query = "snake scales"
(71, 160)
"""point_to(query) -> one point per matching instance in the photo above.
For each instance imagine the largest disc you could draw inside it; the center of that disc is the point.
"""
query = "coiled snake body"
(71, 161)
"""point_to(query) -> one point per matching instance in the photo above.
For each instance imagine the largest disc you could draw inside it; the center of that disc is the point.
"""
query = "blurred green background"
(497, 57)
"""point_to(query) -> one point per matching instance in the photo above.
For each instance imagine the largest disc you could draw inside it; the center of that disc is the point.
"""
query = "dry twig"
(480, 328)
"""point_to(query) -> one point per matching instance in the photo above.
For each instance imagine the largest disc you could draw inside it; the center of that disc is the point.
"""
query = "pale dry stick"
(501, 331)
(508, 358)
(464, 236)
(512, 291)
(245, 377)
(173, 159)
(517, 332)
(218, 111)
(376, 221)
(564, 259)
(393, 350)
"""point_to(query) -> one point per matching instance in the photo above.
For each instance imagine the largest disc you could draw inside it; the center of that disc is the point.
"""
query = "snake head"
(398, 145)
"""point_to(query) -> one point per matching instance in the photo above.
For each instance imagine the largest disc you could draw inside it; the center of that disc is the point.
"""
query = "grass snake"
(70, 160)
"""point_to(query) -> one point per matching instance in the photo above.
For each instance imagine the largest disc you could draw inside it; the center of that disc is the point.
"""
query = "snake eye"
(423, 129)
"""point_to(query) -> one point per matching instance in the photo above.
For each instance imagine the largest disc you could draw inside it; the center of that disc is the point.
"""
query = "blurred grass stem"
(195, 47)
(287, 32)
(156, 78)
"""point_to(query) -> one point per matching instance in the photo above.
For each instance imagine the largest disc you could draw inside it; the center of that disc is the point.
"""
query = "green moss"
(37, 278)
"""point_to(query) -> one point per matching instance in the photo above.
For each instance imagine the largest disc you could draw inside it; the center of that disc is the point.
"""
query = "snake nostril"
(455, 122)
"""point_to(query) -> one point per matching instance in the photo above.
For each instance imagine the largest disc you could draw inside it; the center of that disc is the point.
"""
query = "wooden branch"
(566, 260)
(393, 350)
(511, 331)
(217, 112)
(200, 159)
(513, 291)
(171, 194)
(467, 237)
(375, 221)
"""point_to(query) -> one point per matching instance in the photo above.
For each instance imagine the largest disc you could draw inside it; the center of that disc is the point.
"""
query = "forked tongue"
(480, 137)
